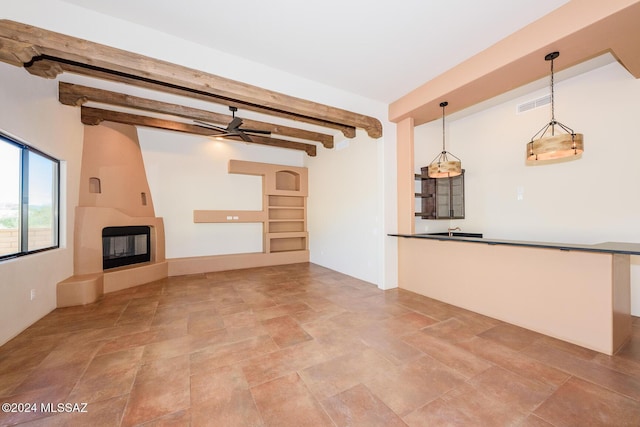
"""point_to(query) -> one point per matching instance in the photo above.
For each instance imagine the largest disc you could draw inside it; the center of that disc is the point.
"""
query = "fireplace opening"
(125, 246)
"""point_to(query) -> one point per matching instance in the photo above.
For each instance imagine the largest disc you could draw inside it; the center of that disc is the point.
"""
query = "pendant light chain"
(553, 103)
(443, 104)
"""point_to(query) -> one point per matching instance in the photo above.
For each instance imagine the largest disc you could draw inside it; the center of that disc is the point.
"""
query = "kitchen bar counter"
(607, 247)
(576, 293)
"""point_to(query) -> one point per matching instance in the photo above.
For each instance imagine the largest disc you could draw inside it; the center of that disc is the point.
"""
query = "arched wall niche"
(287, 180)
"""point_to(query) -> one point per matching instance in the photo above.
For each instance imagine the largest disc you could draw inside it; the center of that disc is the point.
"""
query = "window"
(29, 201)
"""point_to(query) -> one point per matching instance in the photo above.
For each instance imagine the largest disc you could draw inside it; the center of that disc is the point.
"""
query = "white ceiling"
(379, 49)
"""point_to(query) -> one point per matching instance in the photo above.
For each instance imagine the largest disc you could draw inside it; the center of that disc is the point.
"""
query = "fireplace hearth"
(125, 246)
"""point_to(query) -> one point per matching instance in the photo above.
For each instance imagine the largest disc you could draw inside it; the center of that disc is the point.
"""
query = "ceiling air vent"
(534, 103)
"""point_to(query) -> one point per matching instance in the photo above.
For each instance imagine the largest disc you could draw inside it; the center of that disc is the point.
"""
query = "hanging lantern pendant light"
(442, 166)
(554, 146)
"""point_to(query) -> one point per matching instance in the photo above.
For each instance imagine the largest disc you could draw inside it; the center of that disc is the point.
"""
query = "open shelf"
(285, 226)
(290, 213)
(287, 207)
(287, 244)
(286, 201)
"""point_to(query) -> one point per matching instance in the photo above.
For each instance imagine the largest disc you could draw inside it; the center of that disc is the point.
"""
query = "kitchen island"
(573, 292)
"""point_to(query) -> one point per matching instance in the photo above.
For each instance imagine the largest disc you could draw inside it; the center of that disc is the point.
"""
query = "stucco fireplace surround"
(113, 193)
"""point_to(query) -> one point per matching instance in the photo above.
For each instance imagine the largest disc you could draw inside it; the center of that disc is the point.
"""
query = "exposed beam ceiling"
(379, 50)
(94, 116)
(50, 69)
(46, 54)
(77, 95)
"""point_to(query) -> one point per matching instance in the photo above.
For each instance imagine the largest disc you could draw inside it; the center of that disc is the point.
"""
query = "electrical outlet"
(33, 294)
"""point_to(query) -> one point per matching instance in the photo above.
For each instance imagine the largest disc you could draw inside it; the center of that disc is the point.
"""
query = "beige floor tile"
(304, 345)
(578, 402)
(357, 406)
(286, 401)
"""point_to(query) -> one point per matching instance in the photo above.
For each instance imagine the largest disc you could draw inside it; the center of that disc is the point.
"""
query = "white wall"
(188, 173)
(30, 111)
(78, 22)
(345, 224)
(589, 200)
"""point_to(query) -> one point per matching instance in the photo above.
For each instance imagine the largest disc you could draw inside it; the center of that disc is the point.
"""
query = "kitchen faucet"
(451, 230)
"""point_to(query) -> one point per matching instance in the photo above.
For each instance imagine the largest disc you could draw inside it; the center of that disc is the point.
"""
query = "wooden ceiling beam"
(70, 53)
(16, 53)
(51, 69)
(77, 95)
(94, 116)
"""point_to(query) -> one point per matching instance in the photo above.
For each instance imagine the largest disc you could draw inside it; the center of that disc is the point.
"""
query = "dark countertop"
(607, 247)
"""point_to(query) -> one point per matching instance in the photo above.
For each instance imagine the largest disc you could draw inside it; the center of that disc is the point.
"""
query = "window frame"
(23, 205)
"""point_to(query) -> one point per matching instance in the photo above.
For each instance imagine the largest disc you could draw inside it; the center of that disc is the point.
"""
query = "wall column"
(406, 179)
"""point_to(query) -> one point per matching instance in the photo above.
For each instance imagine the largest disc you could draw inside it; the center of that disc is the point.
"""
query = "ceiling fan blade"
(256, 131)
(235, 124)
(222, 135)
(209, 126)
(244, 136)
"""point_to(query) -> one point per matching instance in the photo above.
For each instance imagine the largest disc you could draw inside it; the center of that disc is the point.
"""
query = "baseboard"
(204, 264)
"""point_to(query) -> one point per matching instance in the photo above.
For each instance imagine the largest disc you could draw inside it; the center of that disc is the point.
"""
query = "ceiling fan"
(233, 128)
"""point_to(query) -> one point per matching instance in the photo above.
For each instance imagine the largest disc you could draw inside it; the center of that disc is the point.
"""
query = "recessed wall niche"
(94, 185)
(283, 215)
(287, 181)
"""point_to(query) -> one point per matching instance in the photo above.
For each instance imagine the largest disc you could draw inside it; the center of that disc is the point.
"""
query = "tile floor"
(301, 345)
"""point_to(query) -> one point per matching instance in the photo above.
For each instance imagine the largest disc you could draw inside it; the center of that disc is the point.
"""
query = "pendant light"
(441, 166)
(549, 145)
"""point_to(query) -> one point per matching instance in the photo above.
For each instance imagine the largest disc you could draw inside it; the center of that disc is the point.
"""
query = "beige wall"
(579, 297)
(593, 199)
(29, 110)
(112, 154)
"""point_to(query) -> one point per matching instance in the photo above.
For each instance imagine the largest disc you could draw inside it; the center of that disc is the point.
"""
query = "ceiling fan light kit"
(546, 145)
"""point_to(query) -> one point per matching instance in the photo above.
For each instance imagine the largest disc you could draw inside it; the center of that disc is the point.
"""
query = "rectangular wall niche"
(125, 246)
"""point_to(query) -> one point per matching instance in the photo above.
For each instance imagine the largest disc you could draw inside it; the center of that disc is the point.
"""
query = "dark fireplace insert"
(125, 246)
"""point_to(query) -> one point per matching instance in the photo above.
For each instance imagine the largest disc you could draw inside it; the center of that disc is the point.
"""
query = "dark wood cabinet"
(441, 198)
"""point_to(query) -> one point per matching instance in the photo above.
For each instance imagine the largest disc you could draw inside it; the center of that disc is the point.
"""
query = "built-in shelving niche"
(284, 211)
(287, 222)
(286, 214)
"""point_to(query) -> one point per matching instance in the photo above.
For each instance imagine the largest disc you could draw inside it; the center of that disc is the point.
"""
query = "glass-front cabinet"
(440, 198)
